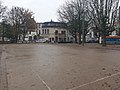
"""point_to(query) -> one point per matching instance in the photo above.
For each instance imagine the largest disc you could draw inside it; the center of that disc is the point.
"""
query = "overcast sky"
(44, 10)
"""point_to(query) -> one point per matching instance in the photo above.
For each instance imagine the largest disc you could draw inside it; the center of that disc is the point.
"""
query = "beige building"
(54, 32)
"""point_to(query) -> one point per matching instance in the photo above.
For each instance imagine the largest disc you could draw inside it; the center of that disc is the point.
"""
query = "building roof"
(53, 24)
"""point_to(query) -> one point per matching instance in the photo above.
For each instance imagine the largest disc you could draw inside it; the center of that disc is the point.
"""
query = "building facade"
(54, 32)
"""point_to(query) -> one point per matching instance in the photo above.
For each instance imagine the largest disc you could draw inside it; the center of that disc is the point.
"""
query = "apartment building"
(54, 32)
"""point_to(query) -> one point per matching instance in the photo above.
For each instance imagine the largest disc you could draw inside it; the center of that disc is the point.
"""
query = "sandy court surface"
(60, 67)
(3, 70)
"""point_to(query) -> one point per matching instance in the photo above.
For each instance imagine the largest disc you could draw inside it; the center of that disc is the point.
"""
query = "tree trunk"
(104, 39)
(3, 33)
(75, 38)
(99, 35)
(16, 38)
(84, 39)
(3, 38)
(23, 37)
(104, 42)
(80, 38)
(16, 34)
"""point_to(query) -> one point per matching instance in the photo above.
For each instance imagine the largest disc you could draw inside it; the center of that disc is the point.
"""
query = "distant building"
(54, 32)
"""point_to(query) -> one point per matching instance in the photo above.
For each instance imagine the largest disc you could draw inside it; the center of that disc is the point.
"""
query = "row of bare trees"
(84, 15)
(15, 22)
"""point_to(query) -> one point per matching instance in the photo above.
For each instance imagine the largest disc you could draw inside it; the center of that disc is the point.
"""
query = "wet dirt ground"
(59, 67)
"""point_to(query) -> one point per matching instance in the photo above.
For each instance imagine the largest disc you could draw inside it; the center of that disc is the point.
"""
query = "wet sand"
(61, 67)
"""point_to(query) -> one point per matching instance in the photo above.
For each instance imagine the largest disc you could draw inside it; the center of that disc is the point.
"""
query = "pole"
(119, 21)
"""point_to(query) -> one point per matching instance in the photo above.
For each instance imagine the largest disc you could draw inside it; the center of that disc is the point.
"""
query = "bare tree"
(14, 18)
(21, 20)
(118, 23)
(2, 10)
(2, 15)
(83, 19)
(67, 15)
(28, 22)
(103, 14)
(74, 13)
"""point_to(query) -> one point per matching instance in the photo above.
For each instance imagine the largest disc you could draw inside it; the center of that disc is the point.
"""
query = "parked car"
(41, 41)
(12, 40)
(92, 41)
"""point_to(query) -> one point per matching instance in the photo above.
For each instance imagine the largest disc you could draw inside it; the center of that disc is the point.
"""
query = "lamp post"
(119, 22)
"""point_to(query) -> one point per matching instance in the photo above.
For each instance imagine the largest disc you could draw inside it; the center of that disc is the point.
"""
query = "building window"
(38, 25)
(39, 32)
(42, 31)
(56, 32)
(52, 39)
(59, 39)
(71, 38)
(65, 39)
(63, 32)
(47, 31)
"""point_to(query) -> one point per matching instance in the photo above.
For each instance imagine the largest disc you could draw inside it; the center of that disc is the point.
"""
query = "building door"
(56, 39)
